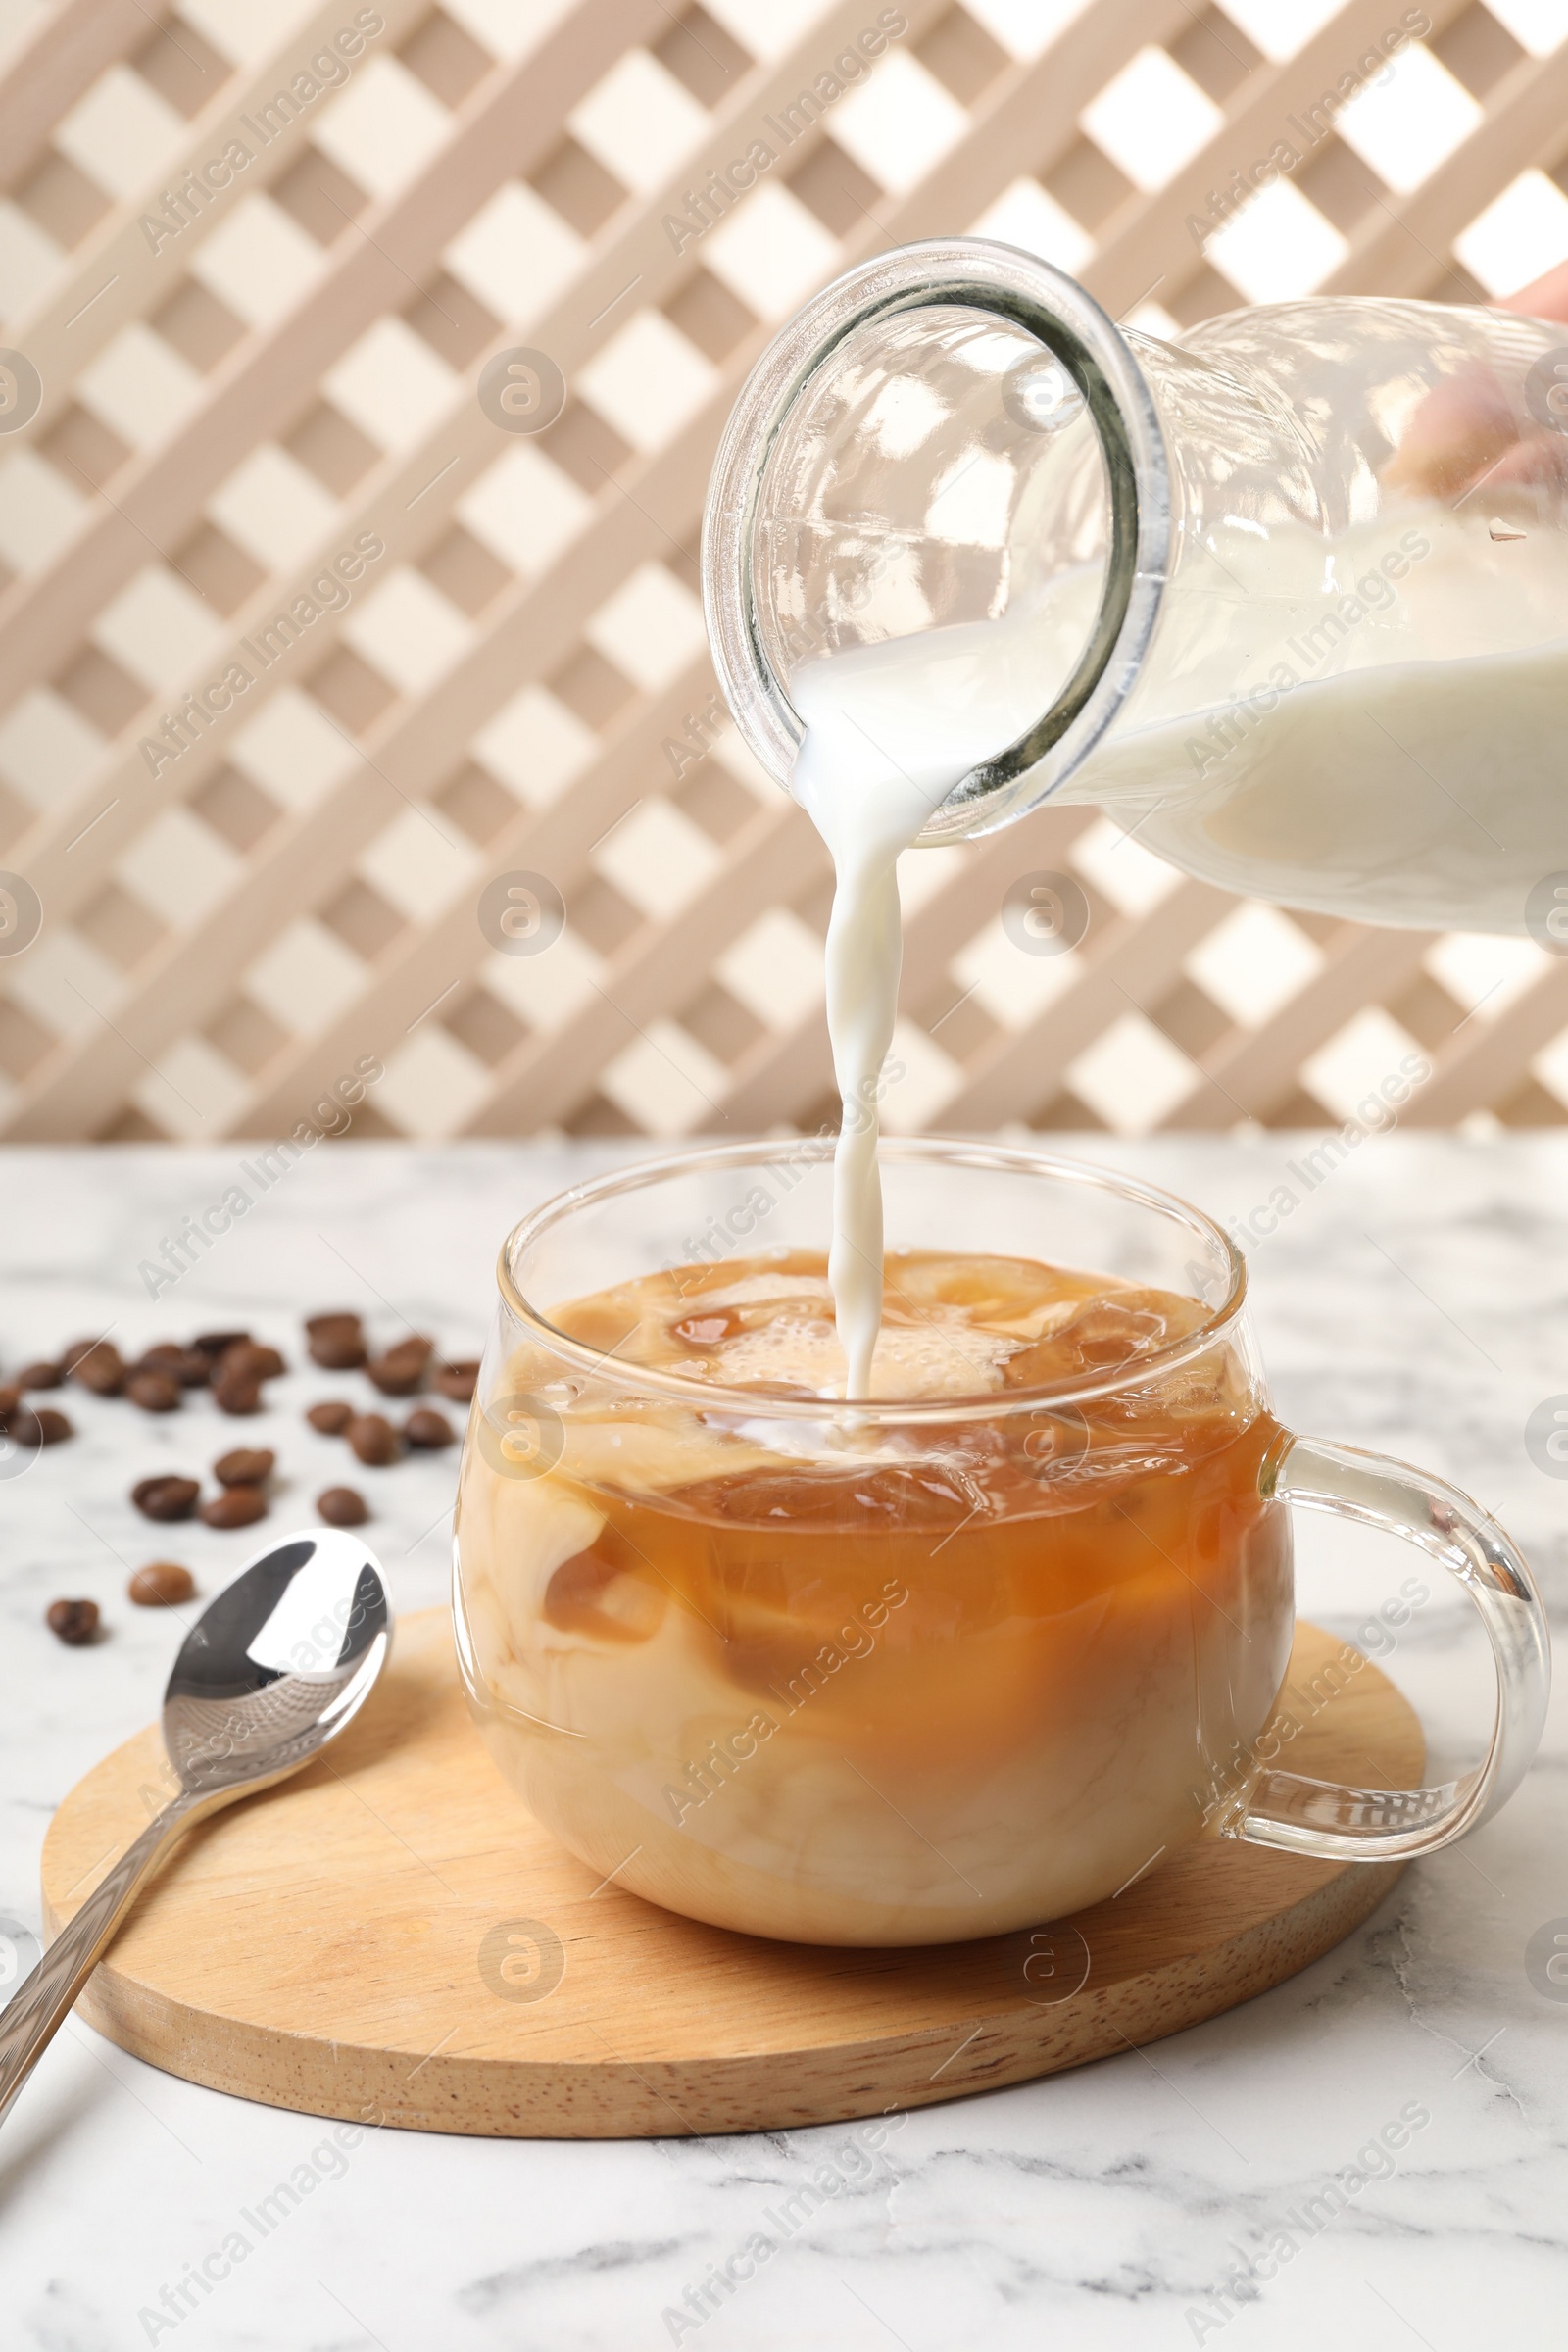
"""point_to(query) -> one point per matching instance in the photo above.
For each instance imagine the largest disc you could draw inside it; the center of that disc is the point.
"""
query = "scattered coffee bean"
(247, 1360)
(41, 1375)
(154, 1392)
(98, 1367)
(331, 1418)
(160, 1584)
(340, 1506)
(336, 1341)
(29, 1427)
(246, 1466)
(459, 1379)
(374, 1439)
(338, 1350)
(427, 1429)
(400, 1371)
(236, 1507)
(165, 1496)
(213, 1344)
(72, 1621)
(239, 1374)
(72, 1356)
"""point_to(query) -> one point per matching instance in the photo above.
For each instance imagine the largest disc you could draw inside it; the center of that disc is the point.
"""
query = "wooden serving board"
(391, 1938)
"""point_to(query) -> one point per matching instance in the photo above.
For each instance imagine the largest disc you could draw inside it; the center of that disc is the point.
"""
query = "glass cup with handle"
(951, 1661)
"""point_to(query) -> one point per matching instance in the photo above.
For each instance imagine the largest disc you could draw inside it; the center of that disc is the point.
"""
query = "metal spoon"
(273, 1668)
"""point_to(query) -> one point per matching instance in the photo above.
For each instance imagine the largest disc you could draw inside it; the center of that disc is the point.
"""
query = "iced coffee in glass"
(961, 1657)
(967, 1656)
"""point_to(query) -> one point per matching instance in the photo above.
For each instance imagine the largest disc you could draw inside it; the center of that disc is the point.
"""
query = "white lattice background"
(228, 407)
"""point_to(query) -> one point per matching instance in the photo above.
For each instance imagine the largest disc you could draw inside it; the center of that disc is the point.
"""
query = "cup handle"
(1338, 1823)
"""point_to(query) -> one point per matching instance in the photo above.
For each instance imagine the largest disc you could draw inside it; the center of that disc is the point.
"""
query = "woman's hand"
(1543, 298)
(1467, 430)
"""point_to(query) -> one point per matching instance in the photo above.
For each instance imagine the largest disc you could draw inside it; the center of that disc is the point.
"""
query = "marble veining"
(1206, 2190)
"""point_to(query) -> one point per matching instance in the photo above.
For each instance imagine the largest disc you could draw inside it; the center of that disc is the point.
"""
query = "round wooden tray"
(391, 1938)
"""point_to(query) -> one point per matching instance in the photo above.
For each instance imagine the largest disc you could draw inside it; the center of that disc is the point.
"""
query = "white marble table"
(1417, 1301)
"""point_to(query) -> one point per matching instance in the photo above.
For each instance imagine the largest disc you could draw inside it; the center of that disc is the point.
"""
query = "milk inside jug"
(1290, 597)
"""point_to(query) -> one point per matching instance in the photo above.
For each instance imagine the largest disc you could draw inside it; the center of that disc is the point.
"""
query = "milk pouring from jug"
(1289, 597)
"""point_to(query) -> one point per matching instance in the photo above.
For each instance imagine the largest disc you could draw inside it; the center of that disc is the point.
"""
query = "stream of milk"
(1411, 769)
(889, 730)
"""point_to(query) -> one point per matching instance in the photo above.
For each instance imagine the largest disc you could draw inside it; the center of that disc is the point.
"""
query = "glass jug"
(1290, 597)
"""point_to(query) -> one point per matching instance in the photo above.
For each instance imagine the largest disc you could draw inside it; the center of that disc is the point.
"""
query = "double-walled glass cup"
(921, 1669)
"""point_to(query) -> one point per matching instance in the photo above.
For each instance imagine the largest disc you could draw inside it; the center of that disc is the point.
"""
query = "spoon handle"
(33, 2016)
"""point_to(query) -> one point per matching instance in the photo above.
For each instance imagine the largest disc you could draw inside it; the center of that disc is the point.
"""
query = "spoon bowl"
(276, 1665)
(273, 1668)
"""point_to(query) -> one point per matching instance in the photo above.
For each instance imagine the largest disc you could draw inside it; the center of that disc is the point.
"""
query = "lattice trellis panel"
(258, 254)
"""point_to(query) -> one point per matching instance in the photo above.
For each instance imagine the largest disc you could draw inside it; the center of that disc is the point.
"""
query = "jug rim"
(980, 275)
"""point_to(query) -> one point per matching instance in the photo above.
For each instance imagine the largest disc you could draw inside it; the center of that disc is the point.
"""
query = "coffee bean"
(165, 1496)
(374, 1439)
(459, 1379)
(340, 1506)
(160, 1584)
(30, 1429)
(98, 1367)
(154, 1392)
(9, 1403)
(399, 1372)
(213, 1344)
(41, 1375)
(337, 1351)
(72, 1621)
(71, 1356)
(336, 1341)
(337, 1319)
(331, 1418)
(247, 1360)
(427, 1429)
(237, 1396)
(236, 1507)
(246, 1466)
